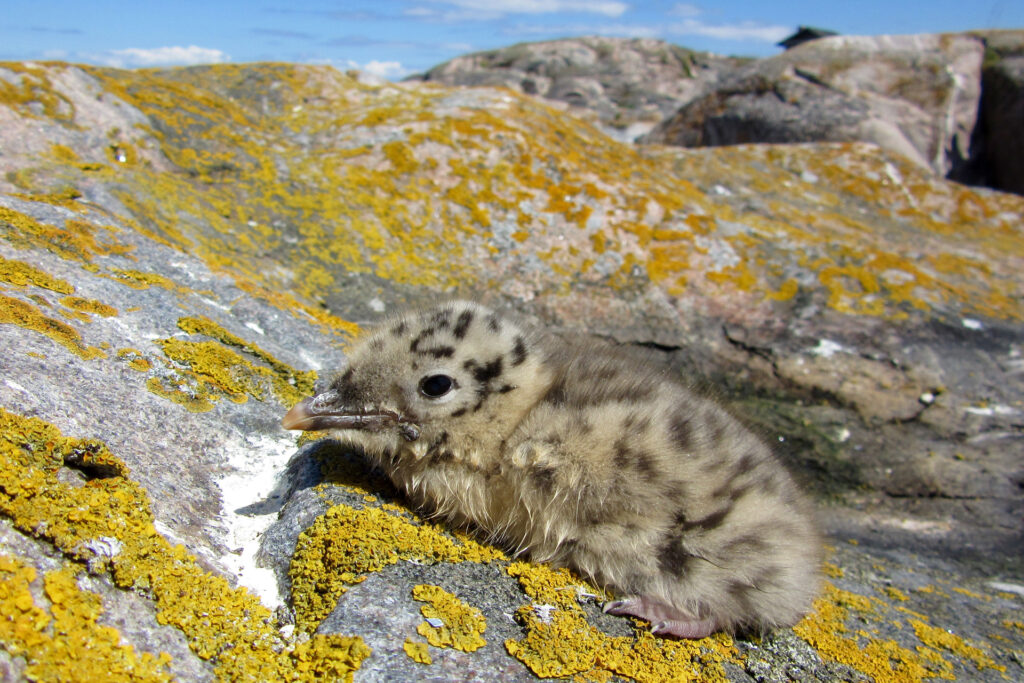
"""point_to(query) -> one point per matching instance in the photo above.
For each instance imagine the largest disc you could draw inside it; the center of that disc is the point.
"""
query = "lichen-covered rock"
(183, 252)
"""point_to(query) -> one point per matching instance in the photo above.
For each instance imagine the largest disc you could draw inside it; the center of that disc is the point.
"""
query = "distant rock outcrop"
(949, 103)
(629, 84)
(916, 95)
(184, 253)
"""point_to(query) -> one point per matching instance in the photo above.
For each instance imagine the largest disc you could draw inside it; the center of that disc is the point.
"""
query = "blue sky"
(393, 38)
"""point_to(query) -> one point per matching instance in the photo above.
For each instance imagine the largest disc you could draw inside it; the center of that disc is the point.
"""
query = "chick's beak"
(324, 412)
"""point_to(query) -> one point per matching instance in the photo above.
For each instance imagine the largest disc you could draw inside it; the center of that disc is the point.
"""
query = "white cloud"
(161, 56)
(612, 30)
(380, 69)
(743, 31)
(683, 9)
(608, 8)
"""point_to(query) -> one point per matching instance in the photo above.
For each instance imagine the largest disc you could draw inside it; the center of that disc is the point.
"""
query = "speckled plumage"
(580, 456)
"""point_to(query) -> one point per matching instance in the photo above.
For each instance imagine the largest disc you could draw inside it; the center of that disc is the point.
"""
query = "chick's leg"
(665, 619)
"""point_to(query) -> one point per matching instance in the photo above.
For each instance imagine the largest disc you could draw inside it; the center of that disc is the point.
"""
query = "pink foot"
(665, 619)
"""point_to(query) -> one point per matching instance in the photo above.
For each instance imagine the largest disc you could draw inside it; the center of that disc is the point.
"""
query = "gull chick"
(580, 456)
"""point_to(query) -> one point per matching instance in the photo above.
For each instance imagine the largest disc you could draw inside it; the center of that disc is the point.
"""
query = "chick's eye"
(436, 386)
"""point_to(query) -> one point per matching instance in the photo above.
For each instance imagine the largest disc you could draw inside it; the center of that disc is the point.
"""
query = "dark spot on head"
(442, 318)
(440, 351)
(518, 351)
(494, 322)
(485, 373)
(399, 329)
(414, 345)
(462, 324)
(505, 388)
(459, 413)
(680, 431)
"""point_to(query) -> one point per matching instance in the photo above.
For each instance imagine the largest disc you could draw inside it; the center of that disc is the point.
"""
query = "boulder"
(915, 95)
(184, 253)
(625, 85)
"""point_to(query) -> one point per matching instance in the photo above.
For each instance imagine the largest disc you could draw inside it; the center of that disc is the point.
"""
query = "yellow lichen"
(140, 280)
(209, 370)
(17, 312)
(417, 652)
(825, 629)
(66, 642)
(76, 240)
(22, 274)
(136, 361)
(344, 544)
(84, 305)
(226, 625)
(896, 594)
(462, 626)
(560, 642)
(289, 384)
(940, 638)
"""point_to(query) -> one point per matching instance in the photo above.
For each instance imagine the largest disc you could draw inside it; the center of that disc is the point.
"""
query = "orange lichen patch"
(139, 280)
(216, 370)
(204, 372)
(833, 570)
(895, 593)
(22, 274)
(971, 594)
(190, 395)
(940, 638)
(560, 642)
(66, 642)
(463, 626)
(344, 544)
(291, 384)
(106, 522)
(135, 359)
(84, 305)
(30, 92)
(76, 240)
(825, 629)
(17, 312)
(417, 652)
